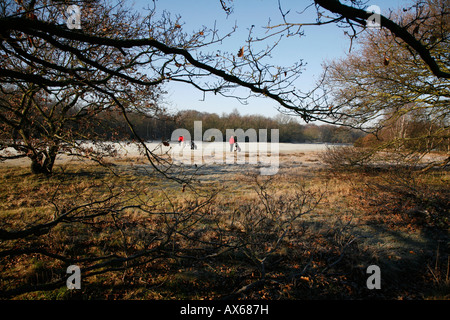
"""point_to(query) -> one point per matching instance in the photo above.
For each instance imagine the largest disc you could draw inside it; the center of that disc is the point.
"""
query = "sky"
(319, 43)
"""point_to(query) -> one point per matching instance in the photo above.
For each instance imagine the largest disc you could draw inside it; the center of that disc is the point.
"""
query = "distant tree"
(290, 129)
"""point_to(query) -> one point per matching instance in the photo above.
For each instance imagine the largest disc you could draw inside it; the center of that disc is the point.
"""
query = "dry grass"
(303, 233)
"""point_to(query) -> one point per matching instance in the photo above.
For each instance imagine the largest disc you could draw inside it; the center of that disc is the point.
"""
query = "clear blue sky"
(319, 43)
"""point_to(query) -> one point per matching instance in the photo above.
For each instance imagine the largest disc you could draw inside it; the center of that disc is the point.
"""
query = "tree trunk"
(43, 162)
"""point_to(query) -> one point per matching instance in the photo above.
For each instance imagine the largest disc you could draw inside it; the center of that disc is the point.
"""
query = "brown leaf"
(241, 52)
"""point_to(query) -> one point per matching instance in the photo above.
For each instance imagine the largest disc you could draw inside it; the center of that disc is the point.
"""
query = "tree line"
(161, 127)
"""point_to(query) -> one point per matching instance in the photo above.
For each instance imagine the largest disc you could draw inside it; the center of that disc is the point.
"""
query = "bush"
(344, 157)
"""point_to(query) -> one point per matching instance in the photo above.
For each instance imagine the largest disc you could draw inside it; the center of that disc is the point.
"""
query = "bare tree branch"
(360, 16)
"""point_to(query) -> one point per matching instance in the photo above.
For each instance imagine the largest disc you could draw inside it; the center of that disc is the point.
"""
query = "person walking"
(231, 143)
(181, 141)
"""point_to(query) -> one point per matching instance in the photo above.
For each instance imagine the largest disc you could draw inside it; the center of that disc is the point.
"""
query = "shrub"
(341, 157)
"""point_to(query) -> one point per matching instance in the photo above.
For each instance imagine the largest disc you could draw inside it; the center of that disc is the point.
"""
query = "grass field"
(307, 232)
